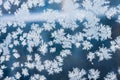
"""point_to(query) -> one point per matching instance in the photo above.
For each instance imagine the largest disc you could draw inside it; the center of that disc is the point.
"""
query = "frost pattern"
(23, 46)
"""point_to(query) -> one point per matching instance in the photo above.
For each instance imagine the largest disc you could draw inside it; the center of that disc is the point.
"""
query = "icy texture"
(34, 45)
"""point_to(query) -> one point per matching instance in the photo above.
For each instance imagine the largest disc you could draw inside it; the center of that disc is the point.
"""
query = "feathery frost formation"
(37, 36)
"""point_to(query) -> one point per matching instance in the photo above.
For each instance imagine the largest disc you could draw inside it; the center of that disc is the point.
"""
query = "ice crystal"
(77, 74)
(111, 76)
